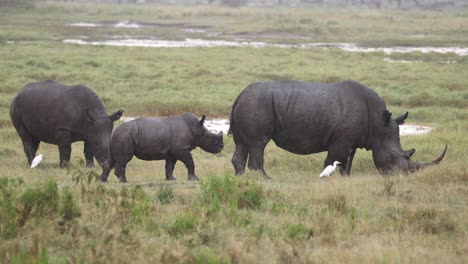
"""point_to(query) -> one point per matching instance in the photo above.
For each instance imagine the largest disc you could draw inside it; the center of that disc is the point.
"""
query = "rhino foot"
(193, 178)
(171, 178)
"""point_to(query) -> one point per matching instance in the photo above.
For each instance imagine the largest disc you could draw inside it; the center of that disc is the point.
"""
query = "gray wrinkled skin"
(170, 139)
(305, 118)
(58, 114)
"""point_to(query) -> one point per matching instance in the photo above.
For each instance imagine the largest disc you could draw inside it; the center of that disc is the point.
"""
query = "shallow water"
(222, 124)
(193, 43)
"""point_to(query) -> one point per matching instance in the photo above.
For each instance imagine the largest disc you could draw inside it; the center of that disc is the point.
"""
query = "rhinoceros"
(305, 118)
(59, 114)
(171, 139)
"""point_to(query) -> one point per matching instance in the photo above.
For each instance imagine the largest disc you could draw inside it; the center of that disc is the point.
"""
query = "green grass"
(295, 217)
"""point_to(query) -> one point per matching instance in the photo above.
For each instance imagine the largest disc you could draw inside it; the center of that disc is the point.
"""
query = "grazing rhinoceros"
(170, 139)
(59, 114)
(306, 118)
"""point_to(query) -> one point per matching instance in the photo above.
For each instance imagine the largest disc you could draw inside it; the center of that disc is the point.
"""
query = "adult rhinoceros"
(59, 114)
(306, 118)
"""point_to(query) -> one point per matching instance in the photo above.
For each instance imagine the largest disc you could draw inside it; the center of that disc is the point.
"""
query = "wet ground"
(201, 36)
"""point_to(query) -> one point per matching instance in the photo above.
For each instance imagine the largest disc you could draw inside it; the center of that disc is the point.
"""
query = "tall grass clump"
(232, 193)
(165, 194)
(8, 211)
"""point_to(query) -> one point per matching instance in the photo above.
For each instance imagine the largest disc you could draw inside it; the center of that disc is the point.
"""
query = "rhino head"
(387, 152)
(207, 140)
(99, 132)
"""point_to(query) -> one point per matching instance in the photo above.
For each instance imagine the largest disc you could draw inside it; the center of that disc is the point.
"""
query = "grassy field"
(53, 215)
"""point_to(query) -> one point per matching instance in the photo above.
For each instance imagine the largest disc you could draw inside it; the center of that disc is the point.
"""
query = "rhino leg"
(88, 155)
(239, 159)
(106, 170)
(186, 158)
(349, 162)
(119, 171)
(341, 153)
(30, 144)
(170, 165)
(256, 158)
(64, 144)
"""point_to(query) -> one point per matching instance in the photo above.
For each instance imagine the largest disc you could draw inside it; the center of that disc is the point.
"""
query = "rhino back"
(157, 138)
(301, 117)
(44, 107)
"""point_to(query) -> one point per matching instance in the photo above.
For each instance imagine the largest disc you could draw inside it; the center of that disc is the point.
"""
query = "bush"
(165, 194)
(38, 202)
(69, 210)
(183, 224)
(231, 192)
(298, 232)
(8, 211)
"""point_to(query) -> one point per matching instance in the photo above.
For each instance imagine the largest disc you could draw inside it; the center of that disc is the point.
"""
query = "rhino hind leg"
(30, 144)
(89, 156)
(120, 167)
(256, 153)
(239, 159)
(170, 165)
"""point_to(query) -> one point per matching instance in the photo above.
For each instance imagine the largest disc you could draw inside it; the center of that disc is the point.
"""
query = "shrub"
(298, 232)
(165, 194)
(231, 192)
(183, 224)
(39, 202)
(69, 210)
(8, 212)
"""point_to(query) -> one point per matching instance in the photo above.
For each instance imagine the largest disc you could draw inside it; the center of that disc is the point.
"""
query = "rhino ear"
(117, 115)
(401, 119)
(409, 153)
(387, 117)
(202, 120)
(89, 117)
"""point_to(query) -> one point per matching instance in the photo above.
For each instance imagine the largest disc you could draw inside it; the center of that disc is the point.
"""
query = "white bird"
(329, 169)
(36, 161)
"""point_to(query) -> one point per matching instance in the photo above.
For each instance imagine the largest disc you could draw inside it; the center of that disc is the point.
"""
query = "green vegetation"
(295, 217)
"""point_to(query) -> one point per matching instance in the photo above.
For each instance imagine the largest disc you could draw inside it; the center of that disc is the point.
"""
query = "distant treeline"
(398, 4)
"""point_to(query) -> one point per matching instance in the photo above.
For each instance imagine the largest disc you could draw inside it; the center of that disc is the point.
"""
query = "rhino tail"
(231, 121)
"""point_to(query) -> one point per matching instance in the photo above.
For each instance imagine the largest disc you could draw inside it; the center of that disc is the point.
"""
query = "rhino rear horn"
(401, 119)
(202, 120)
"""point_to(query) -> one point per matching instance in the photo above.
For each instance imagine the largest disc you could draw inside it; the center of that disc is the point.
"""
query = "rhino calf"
(170, 139)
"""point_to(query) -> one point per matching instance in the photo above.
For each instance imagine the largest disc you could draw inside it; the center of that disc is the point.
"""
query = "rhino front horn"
(436, 161)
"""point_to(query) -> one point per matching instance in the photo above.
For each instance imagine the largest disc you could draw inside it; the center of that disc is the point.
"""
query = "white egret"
(329, 169)
(36, 161)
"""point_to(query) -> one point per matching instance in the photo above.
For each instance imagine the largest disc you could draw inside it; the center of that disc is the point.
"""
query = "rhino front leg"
(341, 153)
(88, 155)
(349, 162)
(187, 159)
(64, 146)
(170, 165)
